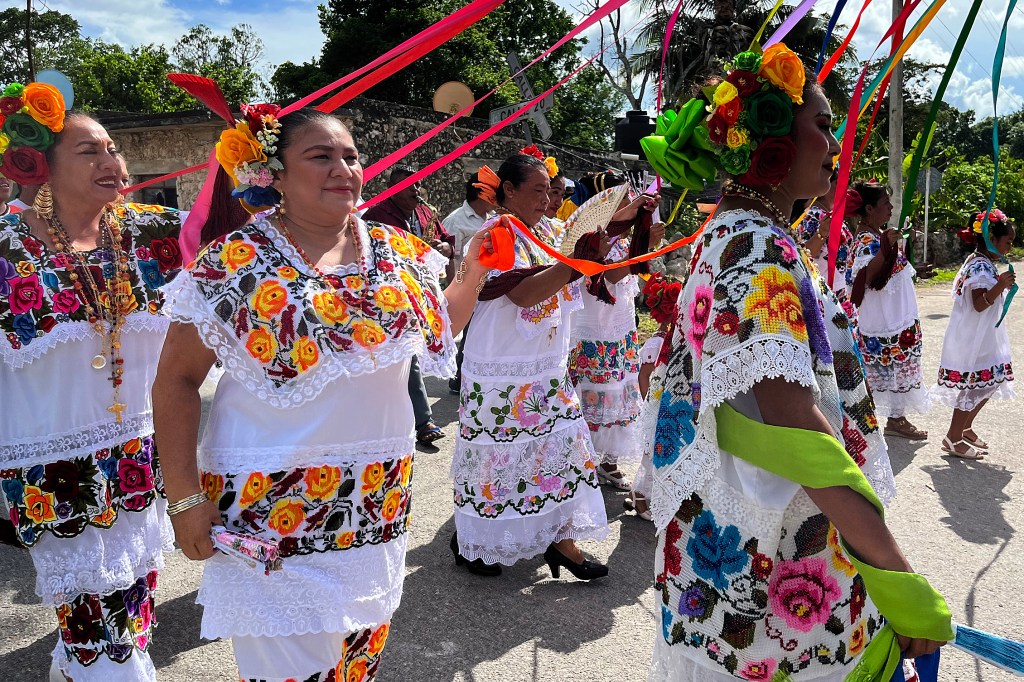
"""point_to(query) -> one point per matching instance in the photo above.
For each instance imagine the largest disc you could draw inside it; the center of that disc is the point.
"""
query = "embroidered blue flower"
(151, 274)
(50, 280)
(25, 327)
(589, 349)
(14, 491)
(108, 467)
(35, 474)
(675, 430)
(872, 344)
(715, 552)
(666, 624)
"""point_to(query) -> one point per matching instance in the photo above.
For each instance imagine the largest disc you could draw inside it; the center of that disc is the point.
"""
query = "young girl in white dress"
(975, 365)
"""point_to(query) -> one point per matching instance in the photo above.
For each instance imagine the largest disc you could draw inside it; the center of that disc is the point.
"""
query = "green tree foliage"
(966, 183)
(133, 79)
(356, 30)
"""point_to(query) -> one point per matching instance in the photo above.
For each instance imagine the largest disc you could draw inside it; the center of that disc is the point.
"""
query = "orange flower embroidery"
(356, 670)
(411, 284)
(287, 272)
(305, 354)
(378, 639)
(213, 485)
(435, 321)
(262, 345)
(368, 333)
(39, 505)
(418, 245)
(839, 559)
(858, 639)
(390, 299)
(286, 516)
(125, 298)
(406, 465)
(322, 482)
(401, 246)
(775, 303)
(269, 299)
(392, 503)
(345, 540)
(256, 488)
(373, 477)
(237, 254)
(133, 446)
(330, 308)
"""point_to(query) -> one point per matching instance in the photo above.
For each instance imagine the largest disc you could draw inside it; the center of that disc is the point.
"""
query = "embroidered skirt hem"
(511, 537)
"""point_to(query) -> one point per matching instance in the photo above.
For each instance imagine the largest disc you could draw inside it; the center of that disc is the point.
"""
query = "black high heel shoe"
(476, 566)
(587, 570)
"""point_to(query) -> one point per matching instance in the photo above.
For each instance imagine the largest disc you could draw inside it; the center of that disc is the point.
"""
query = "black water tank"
(629, 131)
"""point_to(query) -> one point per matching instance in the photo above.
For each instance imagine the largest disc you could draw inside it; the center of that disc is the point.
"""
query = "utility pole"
(896, 128)
(28, 40)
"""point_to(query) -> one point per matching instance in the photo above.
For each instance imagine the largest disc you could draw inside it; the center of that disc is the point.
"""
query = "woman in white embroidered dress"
(751, 578)
(315, 315)
(604, 364)
(975, 365)
(80, 281)
(524, 468)
(882, 289)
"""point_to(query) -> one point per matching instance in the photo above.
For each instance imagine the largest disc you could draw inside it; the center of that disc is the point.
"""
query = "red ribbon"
(834, 59)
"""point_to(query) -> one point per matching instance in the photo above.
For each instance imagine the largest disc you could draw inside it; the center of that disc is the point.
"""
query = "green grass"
(943, 275)
(648, 327)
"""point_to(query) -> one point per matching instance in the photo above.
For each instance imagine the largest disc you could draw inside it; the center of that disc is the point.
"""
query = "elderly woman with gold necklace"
(80, 280)
(316, 316)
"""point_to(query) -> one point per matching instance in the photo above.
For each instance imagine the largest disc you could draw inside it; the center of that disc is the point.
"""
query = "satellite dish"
(59, 81)
(453, 97)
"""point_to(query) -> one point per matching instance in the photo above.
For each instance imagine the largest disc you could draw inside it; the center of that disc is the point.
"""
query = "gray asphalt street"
(956, 521)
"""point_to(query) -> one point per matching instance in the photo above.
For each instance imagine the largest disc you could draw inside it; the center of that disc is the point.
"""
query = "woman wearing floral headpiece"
(316, 316)
(975, 365)
(769, 466)
(524, 468)
(80, 295)
(882, 290)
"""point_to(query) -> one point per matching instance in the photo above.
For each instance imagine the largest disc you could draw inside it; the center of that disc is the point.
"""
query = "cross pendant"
(117, 409)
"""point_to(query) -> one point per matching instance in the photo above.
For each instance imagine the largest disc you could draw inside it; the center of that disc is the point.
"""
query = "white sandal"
(972, 453)
(615, 478)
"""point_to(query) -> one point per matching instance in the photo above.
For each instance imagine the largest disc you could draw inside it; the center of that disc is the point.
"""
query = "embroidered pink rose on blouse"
(802, 593)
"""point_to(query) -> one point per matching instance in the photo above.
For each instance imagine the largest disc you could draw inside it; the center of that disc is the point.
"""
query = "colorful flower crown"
(994, 216)
(745, 130)
(30, 115)
(549, 161)
(248, 153)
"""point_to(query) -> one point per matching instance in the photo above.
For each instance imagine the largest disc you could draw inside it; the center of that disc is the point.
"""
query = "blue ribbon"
(828, 34)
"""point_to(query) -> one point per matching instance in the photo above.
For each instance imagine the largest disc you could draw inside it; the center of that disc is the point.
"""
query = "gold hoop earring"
(43, 203)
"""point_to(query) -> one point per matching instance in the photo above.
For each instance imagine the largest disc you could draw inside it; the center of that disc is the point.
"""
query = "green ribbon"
(910, 182)
(997, 72)
(909, 603)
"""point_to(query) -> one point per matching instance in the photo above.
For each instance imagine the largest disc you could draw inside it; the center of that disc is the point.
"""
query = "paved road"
(956, 520)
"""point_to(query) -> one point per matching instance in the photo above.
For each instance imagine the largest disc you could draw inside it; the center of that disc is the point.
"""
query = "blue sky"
(291, 32)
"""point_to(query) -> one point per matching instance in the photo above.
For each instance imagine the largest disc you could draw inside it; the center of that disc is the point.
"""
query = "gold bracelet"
(186, 503)
(984, 295)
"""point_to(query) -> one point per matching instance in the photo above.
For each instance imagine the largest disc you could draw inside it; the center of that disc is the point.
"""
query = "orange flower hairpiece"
(488, 184)
(552, 166)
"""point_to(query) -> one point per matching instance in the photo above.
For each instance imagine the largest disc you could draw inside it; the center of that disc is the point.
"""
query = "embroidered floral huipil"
(310, 437)
(976, 363)
(750, 576)
(524, 469)
(85, 492)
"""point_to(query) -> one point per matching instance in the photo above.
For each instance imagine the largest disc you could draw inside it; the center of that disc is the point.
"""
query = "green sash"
(911, 606)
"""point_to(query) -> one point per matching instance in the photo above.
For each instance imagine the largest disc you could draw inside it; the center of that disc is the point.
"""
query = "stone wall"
(159, 144)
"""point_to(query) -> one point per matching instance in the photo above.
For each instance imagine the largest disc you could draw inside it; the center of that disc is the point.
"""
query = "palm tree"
(710, 32)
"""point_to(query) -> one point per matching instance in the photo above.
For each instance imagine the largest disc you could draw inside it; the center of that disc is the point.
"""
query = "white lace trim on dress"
(82, 440)
(69, 332)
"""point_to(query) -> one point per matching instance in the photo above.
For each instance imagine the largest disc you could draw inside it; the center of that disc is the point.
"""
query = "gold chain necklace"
(111, 310)
(735, 189)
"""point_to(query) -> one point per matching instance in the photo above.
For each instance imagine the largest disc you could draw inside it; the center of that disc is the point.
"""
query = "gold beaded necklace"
(734, 189)
(104, 315)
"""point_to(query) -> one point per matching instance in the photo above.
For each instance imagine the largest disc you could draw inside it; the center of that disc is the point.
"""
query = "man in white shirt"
(466, 220)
